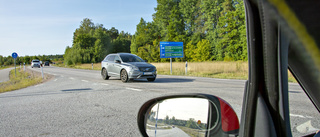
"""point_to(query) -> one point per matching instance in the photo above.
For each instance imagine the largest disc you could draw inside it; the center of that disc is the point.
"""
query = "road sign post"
(14, 56)
(186, 67)
(42, 72)
(171, 50)
(171, 66)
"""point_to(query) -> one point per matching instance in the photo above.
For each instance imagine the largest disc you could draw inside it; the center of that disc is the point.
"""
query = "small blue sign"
(14, 55)
(171, 50)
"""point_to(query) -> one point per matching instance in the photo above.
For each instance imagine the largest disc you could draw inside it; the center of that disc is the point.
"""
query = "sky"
(46, 27)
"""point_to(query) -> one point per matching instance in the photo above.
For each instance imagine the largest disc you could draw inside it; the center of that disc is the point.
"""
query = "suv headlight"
(134, 68)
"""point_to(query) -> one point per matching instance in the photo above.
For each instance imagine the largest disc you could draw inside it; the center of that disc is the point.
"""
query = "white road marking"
(300, 116)
(84, 80)
(105, 84)
(38, 85)
(55, 79)
(71, 78)
(309, 117)
(134, 89)
(306, 127)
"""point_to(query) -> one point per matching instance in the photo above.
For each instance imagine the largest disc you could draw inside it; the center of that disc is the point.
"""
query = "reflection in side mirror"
(187, 115)
(181, 116)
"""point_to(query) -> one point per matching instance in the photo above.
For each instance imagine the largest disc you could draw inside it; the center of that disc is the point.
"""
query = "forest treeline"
(7, 61)
(209, 29)
(91, 43)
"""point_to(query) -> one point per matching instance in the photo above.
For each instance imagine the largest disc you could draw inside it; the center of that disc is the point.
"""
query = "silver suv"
(127, 66)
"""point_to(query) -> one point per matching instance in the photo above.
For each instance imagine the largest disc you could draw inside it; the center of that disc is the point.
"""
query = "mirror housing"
(117, 61)
(221, 118)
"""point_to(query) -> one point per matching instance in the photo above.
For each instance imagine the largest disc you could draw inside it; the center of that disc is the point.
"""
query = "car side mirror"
(190, 115)
(145, 60)
(117, 61)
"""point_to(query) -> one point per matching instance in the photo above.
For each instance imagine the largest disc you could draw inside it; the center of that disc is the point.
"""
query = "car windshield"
(131, 58)
(36, 61)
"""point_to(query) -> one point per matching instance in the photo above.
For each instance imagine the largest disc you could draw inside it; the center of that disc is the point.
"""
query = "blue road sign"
(14, 55)
(171, 50)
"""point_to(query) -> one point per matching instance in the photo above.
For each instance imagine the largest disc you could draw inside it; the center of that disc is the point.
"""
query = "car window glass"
(111, 58)
(105, 59)
(131, 58)
(116, 58)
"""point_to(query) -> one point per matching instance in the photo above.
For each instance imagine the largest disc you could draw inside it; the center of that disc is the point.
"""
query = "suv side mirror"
(117, 61)
(145, 60)
(201, 113)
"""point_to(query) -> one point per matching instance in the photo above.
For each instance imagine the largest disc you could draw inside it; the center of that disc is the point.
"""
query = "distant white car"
(35, 63)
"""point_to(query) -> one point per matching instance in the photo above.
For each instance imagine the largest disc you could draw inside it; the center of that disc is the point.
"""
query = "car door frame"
(117, 67)
(265, 109)
(110, 66)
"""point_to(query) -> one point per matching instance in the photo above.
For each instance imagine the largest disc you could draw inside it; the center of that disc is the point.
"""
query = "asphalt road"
(79, 103)
(173, 132)
(4, 74)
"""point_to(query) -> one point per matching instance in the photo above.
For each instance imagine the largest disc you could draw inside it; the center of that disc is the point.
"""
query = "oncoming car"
(47, 63)
(35, 63)
(127, 66)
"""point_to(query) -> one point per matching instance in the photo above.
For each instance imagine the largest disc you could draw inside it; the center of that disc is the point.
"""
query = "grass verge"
(23, 79)
(212, 69)
(4, 67)
(192, 132)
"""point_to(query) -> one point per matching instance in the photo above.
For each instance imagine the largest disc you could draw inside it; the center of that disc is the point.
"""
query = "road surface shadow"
(66, 91)
(294, 92)
(81, 89)
(164, 80)
(32, 94)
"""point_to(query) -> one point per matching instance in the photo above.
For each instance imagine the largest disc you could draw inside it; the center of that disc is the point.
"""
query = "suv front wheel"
(124, 76)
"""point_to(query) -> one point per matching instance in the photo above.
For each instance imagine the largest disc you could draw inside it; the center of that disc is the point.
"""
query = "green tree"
(191, 123)
(91, 43)
(85, 28)
(113, 33)
(230, 44)
(203, 51)
(122, 43)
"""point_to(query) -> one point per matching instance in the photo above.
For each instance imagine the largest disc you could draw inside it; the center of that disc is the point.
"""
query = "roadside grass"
(192, 132)
(21, 80)
(213, 69)
(96, 66)
(4, 67)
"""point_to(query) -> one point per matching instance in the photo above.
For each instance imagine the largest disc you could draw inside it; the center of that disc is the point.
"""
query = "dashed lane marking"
(38, 85)
(84, 80)
(300, 116)
(134, 89)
